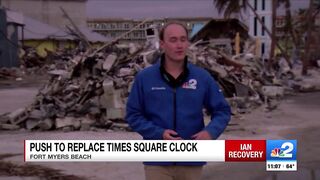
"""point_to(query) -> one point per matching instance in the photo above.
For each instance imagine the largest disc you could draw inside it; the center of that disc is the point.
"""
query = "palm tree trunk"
(306, 55)
(273, 37)
(290, 30)
(269, 33)
(289, 27)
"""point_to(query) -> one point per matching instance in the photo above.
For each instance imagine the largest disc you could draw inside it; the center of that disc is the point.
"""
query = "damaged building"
(215, 32)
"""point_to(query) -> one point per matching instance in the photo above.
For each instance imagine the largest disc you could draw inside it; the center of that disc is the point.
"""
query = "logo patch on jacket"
(158, 88)
(191, 84)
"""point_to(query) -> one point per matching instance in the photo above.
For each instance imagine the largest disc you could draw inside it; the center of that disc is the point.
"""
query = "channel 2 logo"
(281, 150)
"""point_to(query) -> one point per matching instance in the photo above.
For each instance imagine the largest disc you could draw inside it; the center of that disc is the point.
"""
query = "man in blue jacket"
(167, 100)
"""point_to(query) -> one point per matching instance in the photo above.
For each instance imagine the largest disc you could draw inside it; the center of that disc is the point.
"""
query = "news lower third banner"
(279, 155)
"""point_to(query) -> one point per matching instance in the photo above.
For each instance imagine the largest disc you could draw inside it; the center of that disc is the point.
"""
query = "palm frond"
(229, 7)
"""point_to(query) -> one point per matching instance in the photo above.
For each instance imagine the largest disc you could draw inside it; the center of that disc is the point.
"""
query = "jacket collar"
(168, 78)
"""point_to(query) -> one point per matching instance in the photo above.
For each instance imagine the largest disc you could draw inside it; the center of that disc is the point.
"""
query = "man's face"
(175, 42)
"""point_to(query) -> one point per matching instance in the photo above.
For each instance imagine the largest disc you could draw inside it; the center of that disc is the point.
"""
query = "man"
(167, 100)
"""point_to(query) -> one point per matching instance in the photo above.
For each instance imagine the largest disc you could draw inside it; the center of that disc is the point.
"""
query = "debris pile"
(88, 90)
(30, 58)
(243, 78)
(83, 93)
(8, 73)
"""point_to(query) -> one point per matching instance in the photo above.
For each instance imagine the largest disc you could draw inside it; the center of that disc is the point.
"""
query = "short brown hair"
(162, 30)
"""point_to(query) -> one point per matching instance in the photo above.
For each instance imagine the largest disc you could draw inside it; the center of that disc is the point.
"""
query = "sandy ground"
(297, 117)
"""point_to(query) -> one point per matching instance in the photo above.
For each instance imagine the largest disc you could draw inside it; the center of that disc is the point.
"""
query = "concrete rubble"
(245, 80)
(88, 91)
(84, 92)
(9, 73)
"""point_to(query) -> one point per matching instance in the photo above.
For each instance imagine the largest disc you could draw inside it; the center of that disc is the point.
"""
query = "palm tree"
(273, 36)
(230, 7)
(311, 14)
(288, 27)
(301, 31)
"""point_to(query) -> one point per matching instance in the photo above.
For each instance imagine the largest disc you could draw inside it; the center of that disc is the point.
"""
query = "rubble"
(32, 59)
(9, 127)
(273, 91)
(88, 91)
(91, 86)
(6, 73)
(17, 116)
(244, 79)
(107, 64)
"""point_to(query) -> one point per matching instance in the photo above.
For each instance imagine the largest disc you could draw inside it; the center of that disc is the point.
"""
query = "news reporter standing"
(166, 102)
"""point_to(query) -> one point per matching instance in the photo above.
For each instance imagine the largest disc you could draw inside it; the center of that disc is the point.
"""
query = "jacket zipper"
(174, 112)
(174, 109)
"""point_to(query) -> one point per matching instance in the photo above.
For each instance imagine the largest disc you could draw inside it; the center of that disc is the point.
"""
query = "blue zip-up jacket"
(154, 106)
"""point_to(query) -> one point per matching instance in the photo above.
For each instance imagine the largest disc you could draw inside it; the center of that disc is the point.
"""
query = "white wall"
(265, 13)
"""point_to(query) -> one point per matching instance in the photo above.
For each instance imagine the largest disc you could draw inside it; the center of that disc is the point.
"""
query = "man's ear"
(161, 44)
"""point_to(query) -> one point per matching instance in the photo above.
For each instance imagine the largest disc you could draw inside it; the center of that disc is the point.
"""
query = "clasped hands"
(170, 134)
